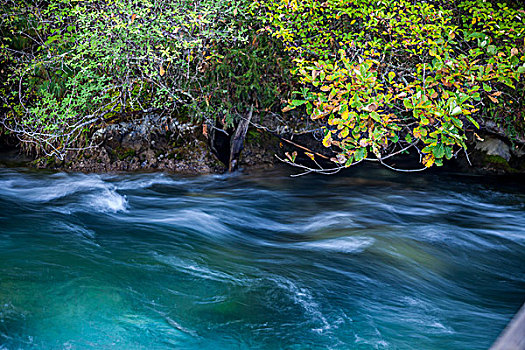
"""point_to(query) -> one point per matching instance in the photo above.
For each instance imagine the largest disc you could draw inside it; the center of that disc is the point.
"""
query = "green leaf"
(491, 49)
(360, 154)
(458, 123)
(296, 103)
(391, 76)
(448, 152)
(457, 110)
(473, 121)
(486, 87)
(438, 151)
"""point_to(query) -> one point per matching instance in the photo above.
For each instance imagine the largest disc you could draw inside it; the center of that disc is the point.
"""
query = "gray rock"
(494, 147)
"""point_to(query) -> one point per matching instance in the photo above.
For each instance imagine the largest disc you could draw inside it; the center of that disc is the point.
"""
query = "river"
(366, 260)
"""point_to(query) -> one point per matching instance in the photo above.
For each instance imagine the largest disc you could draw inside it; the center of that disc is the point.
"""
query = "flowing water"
(369, 260)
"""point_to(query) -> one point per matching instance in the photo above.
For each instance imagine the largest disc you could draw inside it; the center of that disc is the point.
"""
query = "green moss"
(253, 137)
(123, 153)
(499, 163)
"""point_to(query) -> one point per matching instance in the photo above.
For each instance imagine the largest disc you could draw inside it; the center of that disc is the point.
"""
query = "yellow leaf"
(429, 160)
(344, 115)
(325, 88)
(327, 141)
(162, 71)
(310, 155)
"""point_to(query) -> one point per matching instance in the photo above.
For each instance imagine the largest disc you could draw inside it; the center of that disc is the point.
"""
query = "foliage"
(380, 77)
(386, 76)
(252, 72)
(83, 63)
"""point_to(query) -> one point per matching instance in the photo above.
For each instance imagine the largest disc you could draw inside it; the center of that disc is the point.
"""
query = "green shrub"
(89, 61)
(388, 76)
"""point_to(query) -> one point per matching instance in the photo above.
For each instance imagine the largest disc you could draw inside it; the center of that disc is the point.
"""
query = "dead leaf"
(513, 51)
(371, 107)
(133, 16)
(162, 71)
(495, 100)
(478, 138)
(205, 129)
(292, 156)
(341, 159)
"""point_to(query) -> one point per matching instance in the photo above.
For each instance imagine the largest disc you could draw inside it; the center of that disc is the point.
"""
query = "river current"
(366, 260)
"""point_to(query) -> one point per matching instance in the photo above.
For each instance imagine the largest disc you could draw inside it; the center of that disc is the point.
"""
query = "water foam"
(108, 201)
(67, 193)
(339, 245)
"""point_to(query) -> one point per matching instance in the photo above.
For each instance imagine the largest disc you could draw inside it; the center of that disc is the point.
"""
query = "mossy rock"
(498, 162)
(123, 153)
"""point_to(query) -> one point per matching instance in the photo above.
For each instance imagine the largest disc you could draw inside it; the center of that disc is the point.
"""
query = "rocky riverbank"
(159, 143)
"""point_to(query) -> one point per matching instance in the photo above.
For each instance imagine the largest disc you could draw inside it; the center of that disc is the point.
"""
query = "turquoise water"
(370, 260)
